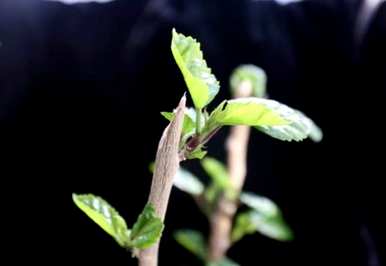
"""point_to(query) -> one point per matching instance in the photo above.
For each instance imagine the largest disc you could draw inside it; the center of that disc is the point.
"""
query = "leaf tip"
(75, 198)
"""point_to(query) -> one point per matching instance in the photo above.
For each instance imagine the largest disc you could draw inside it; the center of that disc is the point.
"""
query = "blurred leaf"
(211, 194)
(224, 262)
(147, 229)
(217, 172)
(261, 204)
(250, 73)
(252, 221)
(202, 84)
(299, 128)
(192, 241)
(151, 167)
(188, 183)
(243, 226)
(249, 111)
(104, 215)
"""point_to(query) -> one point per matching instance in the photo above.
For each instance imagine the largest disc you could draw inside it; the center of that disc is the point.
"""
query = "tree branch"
(166, 166)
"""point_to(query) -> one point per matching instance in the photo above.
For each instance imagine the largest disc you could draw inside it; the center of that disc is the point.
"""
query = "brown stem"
(222, 218)
(166, 166)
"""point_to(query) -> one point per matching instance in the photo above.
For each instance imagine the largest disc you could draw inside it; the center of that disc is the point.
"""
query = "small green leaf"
(188, 183)
(103, 214)
(252, 221)
(217, 172)
(193, 241)
(147, 229)
(249, 111)
(299, 128)
(151, 167)
(168, 115)
(260, 204)
(202, 84)
(198, 153)
(250, 73)
(189, 125)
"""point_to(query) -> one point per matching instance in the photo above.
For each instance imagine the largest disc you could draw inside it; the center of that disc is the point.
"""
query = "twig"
(222, 218)
(166, 166)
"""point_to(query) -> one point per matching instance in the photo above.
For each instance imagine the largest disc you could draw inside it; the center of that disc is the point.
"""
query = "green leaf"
(168, 115)
(193, 241)
(252, 221)
(260, 204)
(103, 214)
(202, 84)
(151, 167)
(189, 125)
(211, 193)
(264, 217)
(250, 73)
(198, 153)
(188, 183)
(299, 128)
(147, 229)
(249, 111)
(243, 226)
(217, 172)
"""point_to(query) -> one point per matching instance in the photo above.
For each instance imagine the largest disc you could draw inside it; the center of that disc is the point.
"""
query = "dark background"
(81, 88)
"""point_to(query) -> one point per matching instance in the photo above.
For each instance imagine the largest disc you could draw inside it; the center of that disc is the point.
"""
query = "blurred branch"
(222, 218)
(364, 17)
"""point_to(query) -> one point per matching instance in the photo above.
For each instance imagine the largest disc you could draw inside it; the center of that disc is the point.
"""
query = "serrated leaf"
(202, 84)
(252, 221)
(249, 111)
(188, 183)
(260, 204)
(193, 241)
(147, 229)
(103, 214)
(250, 73)
(217, 172)
(299, 128)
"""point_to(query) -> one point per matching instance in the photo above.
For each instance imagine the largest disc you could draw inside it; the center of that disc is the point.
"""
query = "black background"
(81, 88)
